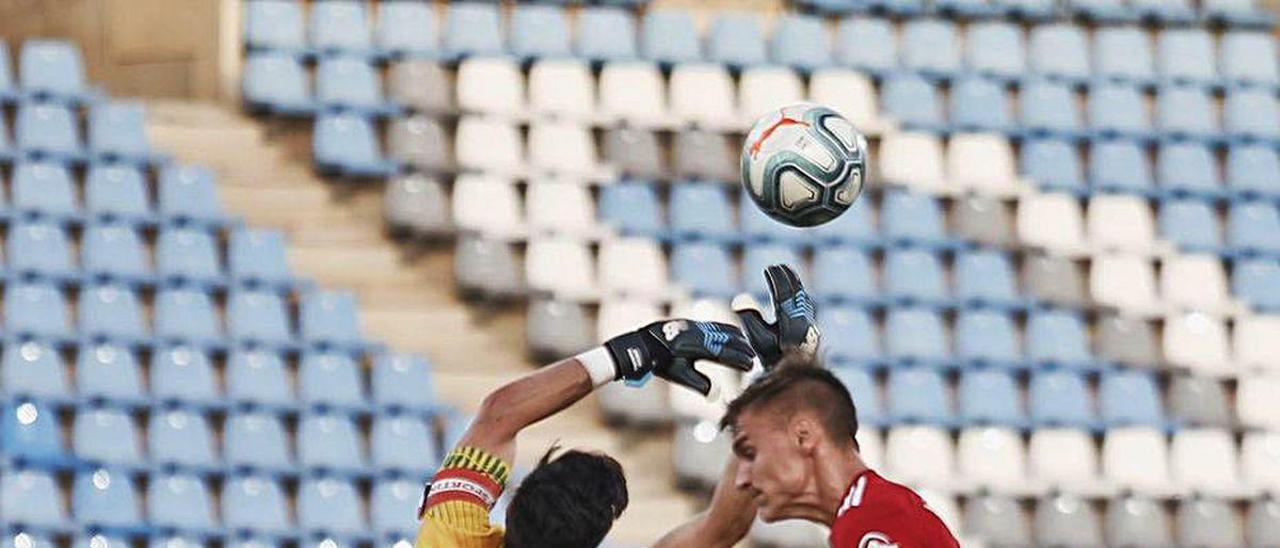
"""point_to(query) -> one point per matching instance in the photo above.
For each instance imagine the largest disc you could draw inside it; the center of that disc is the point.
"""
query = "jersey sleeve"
(455, 509)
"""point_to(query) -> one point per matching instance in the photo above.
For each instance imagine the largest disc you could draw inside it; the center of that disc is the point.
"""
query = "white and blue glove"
(795, 328)
(669, 348)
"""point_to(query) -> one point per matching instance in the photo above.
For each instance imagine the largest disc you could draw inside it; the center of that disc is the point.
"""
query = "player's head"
(570, 500)
(782, 425)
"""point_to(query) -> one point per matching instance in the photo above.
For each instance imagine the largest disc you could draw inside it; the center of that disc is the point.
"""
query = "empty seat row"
(183, 194)
(1243, 13)
(47, 70)
(116, 131)
(278, 82)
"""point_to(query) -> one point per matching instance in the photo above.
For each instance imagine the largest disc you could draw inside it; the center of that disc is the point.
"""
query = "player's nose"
(742, 476)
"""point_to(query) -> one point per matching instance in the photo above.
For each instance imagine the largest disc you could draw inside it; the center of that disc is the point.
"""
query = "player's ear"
(805, 435)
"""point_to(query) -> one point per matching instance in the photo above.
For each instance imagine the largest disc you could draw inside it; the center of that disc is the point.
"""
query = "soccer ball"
(803, 164)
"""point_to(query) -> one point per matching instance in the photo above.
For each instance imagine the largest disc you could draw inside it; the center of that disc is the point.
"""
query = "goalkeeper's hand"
(795, 328)
(668, 349)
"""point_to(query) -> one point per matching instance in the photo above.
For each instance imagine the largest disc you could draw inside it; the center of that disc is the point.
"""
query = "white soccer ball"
(804, 164)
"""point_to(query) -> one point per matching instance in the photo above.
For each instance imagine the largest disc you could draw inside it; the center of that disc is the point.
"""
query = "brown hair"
(801, 382)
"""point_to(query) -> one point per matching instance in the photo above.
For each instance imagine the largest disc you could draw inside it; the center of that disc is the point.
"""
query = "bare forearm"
(525, 401)
(721, 525)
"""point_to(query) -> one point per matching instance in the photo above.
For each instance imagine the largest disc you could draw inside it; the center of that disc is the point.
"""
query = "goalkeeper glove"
(795, 328)
(668, 349)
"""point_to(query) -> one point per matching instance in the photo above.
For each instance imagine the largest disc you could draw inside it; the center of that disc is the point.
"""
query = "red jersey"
(877, 513)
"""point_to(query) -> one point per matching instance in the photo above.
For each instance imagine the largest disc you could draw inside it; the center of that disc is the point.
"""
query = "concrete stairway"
(335, 237)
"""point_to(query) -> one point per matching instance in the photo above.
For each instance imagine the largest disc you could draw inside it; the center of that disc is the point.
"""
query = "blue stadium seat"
(756, 226)
(906, 8)
(1103, 11)
(255, 503)
(1253, 227)
(538, 31)
(183, 374)
(189, 194)
(917, 335)
(912, 101)
(868, 44)
(118, 132)
(1058, 338)
(386, 504)
(1128, 397)
(43, 189)
(275, 25)
(985, 279)
(1120, 166)
(35, 309)
(111, 312)
(1169, 12)
(179, 501)
(1238, 13)
(257, 255)
(403, 443)
(855, 227)
(182, 438)
(53, 69)
(1186, 56)
(114, 192)
(981, 105)
(1123, 54)
(990, 397)
(1255, 281)
(844, 274)
(100, 498)
(1118, 110)
(852, 337)
(704, 269)
(328, 319)
(472, 28)
(1059, 51)
(755, 258)
(407, 29)
(605, 34)
(987, 337)
(30, 433)
(995, 50)
(1251, 114)
(47, 130)
(669, 37)
(1186, 112)
(1054, 164)
(919, 395)
(968, 9)
(1049, 108)
(187, 254)
(276, 82)
(1060, 399)
(106, 436)
(257, 441)
(631, 207)
(330, 379)
(1031, 10)
(347, 144)
(866, 395)
(913, 219)
(801, 42)
(350, 83)
(1192, 225)
(33, 369)
(329, 442)
(8, 89)
(1188, 169)
(701, 210)
(340, 26)
(109, 372)
(1249, 58)
(929, 47)
(32, 498)
(915, 277)
(186, 315)
(402, 381)
(330, 506)
(736, 39)
(258, 377)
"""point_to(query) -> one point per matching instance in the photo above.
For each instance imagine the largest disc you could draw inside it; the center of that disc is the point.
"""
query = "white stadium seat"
(1052, 221)
(646, 404)
(492, 86)
(1198, 342)
(922, 456)
(1137, 459)
(1260, 460)
(1126, 282)
(1065, 459)
(913, 160)
(1257, 403)
(944, 506)
(871, 446)
(703, 94)
(565, 149)
(558, 207)
(562, 267)
(765, 88)
(851, 94)
(491, 145)
(699, 451)
(792, 533)
(1197, 283)
(1257, 342)
(633, 92)
(1121, 223)
(982, 163)
(634, 267)
(1205, 461)
(993, 459)
(488, 205)
(562, 88)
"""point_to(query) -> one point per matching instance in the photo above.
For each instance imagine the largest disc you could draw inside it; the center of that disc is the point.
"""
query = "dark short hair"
(801, 383)
(569, 501)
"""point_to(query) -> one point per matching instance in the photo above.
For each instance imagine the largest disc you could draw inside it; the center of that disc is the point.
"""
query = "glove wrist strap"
(599, 366)
(629, 354)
